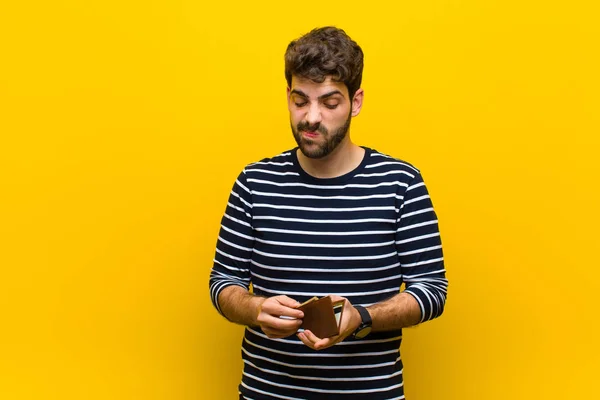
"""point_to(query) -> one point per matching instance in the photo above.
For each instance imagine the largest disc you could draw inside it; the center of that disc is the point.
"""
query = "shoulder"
(279, 168)
(382, 163)
(279, 163)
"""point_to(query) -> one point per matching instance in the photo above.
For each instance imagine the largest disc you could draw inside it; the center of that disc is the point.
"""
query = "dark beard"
(331, 140)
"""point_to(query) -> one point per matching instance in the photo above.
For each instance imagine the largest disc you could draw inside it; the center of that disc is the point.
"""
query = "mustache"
(306, 127)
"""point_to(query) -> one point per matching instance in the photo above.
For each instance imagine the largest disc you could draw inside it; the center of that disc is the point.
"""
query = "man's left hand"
(350, 321)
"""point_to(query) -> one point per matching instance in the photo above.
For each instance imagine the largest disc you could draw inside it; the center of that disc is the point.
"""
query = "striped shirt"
(360, 236)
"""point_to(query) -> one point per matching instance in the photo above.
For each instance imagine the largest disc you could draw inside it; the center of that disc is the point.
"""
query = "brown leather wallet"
(322, 316)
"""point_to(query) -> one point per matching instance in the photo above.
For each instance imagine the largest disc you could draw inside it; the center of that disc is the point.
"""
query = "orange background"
(123, 126)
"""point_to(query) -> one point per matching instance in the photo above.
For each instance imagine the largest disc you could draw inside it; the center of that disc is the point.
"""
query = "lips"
(311, 135)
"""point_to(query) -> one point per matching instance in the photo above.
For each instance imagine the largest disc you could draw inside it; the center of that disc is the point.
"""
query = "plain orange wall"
(124, 124)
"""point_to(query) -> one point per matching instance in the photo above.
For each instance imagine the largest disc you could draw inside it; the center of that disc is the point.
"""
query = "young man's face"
(320, 114)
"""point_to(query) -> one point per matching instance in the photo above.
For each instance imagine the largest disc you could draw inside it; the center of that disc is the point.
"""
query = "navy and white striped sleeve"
(419, 248)
(231, 265)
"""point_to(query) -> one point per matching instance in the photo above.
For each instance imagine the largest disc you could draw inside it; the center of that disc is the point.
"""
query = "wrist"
(365, 323)
(255, 304)
(356, 319)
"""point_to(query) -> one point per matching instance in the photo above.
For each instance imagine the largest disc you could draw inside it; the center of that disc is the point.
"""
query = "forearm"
(240, 306)
(398, 312)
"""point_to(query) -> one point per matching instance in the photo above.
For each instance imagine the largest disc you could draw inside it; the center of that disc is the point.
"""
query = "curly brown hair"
(324, 52)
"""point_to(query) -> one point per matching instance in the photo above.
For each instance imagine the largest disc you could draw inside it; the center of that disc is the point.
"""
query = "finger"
(284, 332)
(324, 343)
(277, 334)
(272, 334)
(275, 308)
(311, 336)
(316, 343)
(287, 301)
(282, 324)
(304, 340)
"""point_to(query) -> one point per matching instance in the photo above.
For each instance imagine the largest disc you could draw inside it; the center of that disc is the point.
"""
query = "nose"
(313, 116)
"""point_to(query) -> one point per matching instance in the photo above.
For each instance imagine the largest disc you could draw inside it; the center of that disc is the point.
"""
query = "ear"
(357, 102)
(287, 91)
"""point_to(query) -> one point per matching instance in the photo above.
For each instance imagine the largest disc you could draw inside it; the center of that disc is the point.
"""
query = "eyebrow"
(321, 97)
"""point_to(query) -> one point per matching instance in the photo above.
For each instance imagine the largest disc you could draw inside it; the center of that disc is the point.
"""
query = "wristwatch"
(365, 327)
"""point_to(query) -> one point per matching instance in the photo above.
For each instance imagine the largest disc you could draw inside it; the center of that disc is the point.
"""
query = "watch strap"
(367, 322)
(364, 315)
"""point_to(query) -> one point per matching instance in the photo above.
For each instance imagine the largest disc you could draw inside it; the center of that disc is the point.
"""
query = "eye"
(301, 104)
(331, 106)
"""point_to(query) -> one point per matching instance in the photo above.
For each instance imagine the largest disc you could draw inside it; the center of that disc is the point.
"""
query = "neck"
(343, 159)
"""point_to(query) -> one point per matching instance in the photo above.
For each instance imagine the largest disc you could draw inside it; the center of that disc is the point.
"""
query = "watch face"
(363, 332)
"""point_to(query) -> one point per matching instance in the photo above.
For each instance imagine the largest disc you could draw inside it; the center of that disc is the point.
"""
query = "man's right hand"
(270, 313)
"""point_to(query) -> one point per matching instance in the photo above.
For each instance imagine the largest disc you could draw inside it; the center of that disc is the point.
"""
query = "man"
(327, 218)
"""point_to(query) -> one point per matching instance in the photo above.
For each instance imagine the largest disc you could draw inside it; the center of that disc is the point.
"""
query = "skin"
(320, 115)
(324, 109)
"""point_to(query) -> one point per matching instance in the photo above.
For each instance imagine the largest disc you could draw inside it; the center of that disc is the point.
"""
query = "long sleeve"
(231, 264)
(419, 250)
